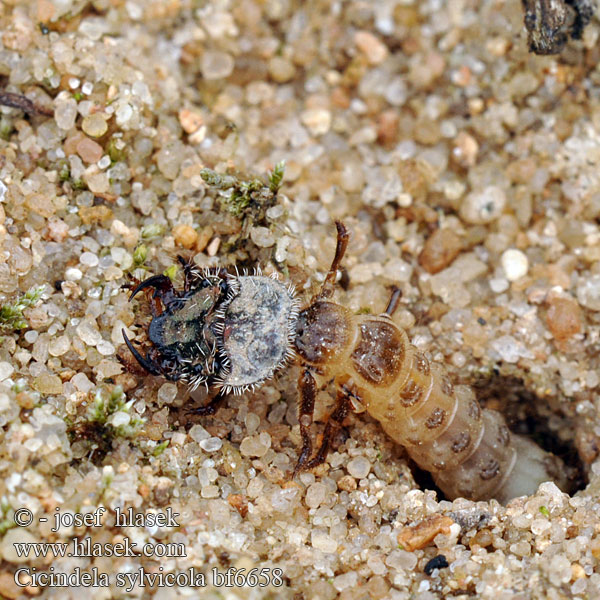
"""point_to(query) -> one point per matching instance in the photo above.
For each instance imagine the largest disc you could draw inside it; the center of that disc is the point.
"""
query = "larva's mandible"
(234, 332)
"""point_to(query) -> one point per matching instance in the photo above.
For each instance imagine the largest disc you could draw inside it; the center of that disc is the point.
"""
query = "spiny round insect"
(223, 330)
(250, 326)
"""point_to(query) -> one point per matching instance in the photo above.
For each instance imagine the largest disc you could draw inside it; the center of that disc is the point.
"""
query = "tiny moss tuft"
(160, 448)
(246, 199)
(11, 315)
(152, 231)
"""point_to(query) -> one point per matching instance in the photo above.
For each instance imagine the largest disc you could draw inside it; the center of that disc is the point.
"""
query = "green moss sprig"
(11, 315)
(246, 198)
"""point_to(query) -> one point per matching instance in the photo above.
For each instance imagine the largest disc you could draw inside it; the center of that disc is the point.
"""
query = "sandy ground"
(467, 170)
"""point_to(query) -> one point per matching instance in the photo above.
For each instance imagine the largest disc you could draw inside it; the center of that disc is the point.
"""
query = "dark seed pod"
(437, 562)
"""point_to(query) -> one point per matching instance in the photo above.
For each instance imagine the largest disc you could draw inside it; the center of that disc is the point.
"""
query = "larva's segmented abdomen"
(469, 451)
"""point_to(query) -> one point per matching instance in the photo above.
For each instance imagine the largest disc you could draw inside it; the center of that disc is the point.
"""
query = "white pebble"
(89, 259)
(6, 370)
(588, 292)
(321, 541)
(59, 346)
(167, 393)
(499, 285)
(9, 541)
(82, 383)
(318, 120)
(256, 445)
(31, 336)
(105, 348)
(216, 64)
(514, 263)
(211, 444)
(344, 581)
(315, 494)
(262, 237)
(198, 433)
(359, 467)
(88, 333)
(124, 113)
(73, 274)
(483, 206)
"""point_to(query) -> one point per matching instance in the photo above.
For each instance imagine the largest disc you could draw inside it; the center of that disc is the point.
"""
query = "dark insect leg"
(191, 275)
(147, 364)
(163, 290)
(332, 426)
(210, 408)
(308, 392)
(394, 301)
(340, 250)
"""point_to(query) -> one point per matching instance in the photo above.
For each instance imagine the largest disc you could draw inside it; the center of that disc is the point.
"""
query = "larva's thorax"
(469, 451)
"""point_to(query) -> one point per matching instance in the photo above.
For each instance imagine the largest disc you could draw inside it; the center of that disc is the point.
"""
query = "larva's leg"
(308, 392)
(336, 418)
(163, 292)
(340, 250)
(211, 407)
(394, 301)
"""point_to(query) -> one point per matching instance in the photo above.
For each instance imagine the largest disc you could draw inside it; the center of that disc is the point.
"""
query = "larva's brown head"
(322, 332)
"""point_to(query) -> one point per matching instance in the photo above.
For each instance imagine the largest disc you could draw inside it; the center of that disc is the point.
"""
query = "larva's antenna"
(394, 301)
(340, 249)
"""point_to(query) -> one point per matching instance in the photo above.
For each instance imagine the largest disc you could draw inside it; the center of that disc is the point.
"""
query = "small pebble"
(211, 444)
(281, 69)
(588, 292)
(345, 581)
(59, 346)
(65, 111)
(48, 384)
(167, 393)
(483, 206)
(88, 333)
(82, 383)
(190, 120)
(499, 285)
(89, 150)
(6, 370)
(185, 235)
(347, 483)
(321, 541)
(564, 318)
(216, 65)
(359, 467)
(315, 494)
(514, 263)
(371, 46)
(262, 237)
(440, 249)
(256, 445)
(73, 274)
(198, 433)
(89, 259)
(318, 120)
(18, 535)
(94, 125)
(421, 534)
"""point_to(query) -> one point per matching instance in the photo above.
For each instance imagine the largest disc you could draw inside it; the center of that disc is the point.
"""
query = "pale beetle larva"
(236, 331)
